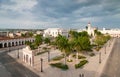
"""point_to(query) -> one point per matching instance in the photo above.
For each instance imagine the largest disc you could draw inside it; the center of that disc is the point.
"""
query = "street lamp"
(105, 49)
(100, 57)
(18, 54)
(48, 56)
(41, 64)
(109, 43)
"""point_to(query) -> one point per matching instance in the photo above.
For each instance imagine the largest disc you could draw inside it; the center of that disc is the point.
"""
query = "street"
(15, 69)
(112, 68)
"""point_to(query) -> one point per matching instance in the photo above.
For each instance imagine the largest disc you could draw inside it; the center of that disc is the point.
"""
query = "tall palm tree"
(77, 46)
(63, 45)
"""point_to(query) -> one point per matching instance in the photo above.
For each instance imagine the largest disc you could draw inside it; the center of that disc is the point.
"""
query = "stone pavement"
(92, 69)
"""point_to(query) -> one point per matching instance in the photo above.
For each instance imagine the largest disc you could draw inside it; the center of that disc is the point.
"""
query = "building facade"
(54, 32)
(9, 42)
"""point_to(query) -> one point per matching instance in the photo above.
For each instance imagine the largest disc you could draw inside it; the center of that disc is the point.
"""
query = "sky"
(40, 14)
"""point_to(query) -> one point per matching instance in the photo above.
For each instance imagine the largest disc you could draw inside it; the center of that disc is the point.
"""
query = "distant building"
(4, 33)
(54, 32)
(111, 32)
(11, 35)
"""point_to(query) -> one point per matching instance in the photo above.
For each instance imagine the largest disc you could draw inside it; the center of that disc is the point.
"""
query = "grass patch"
(81, 57)
(58, 58)
(81, 64)
(60, 65)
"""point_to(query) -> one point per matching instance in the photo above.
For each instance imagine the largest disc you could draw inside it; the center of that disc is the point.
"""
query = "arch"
(5, 44)
(22, 42)
(12, 43)
(33, 40)
(16, 43)
(19, 42)
(1, 45)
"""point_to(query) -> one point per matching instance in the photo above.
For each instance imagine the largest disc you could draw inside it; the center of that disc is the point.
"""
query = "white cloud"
(20, 5)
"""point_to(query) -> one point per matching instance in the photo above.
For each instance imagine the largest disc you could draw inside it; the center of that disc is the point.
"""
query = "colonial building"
(54, 32)
(9, 42)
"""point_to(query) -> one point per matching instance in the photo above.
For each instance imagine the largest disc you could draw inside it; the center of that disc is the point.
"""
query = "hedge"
(60, 65)
(81, 64)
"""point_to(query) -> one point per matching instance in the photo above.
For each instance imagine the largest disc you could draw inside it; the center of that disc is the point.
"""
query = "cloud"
(20, 5)
(59, 13)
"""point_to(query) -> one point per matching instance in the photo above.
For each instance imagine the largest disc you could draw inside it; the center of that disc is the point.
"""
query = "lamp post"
(100, 57)
(48, 56)
(41, 64)
(109, 43)
(18, 54)
(105, 49)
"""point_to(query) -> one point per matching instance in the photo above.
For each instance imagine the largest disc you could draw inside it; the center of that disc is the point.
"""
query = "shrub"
(81, 57)
(60, 65)
(81, 64)
(69, 60)
(58, 58)
(74, 55)
(92, 54)
(44, 48)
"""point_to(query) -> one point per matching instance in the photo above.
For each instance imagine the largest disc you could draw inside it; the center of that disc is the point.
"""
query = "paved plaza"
(92, 69)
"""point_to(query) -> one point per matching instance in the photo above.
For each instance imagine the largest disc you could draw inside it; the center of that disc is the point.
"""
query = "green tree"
(83, 34)
(30, 34)
(47, 40)
(23, 35)
(85, 43)
(38, 40)
(63, 45)
(27, 42)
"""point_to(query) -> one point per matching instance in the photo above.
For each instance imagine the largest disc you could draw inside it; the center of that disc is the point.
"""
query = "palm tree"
(63, 45)
(47, 40)
(77, 46)
(38, 40)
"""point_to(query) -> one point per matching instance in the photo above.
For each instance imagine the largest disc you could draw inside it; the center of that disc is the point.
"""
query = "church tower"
(89, 26)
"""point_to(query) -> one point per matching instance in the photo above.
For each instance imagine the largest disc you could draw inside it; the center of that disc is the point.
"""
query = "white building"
(111, 32)
(90, 29)
(54, 32)
(28, 56)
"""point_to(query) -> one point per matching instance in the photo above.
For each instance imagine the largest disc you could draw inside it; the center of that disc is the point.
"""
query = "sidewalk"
(94, 64)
